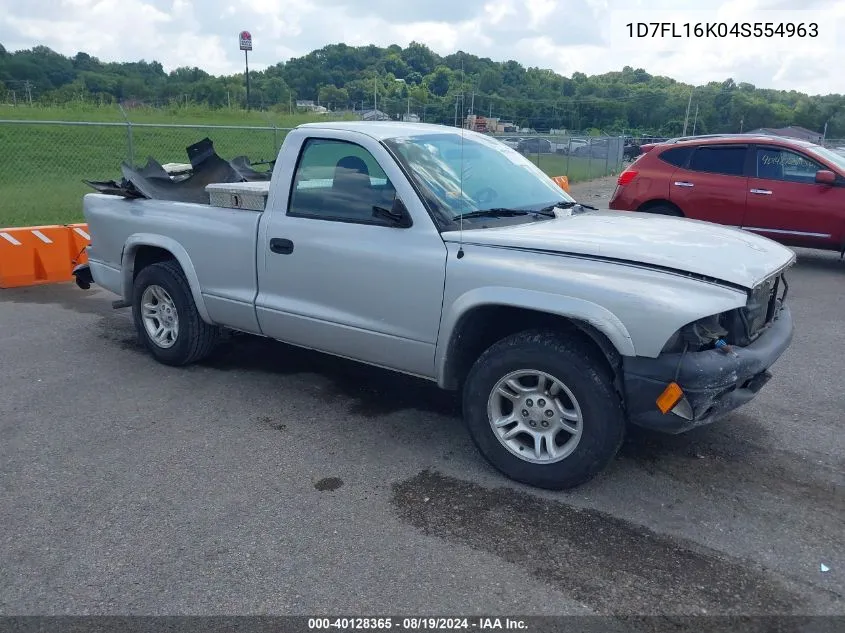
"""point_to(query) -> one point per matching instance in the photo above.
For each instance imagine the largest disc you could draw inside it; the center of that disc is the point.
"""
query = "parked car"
(445, 255)
(534, 146)
(788, 190)
(512, 141)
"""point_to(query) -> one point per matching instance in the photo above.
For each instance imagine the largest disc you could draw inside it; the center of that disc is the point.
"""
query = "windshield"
(831, 156)
(482, 173)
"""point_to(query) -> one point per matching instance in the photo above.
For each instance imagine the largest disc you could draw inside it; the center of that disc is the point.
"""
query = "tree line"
(437, 88)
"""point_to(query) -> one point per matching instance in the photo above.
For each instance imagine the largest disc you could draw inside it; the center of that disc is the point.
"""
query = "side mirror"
(397, 215)
(825, 177)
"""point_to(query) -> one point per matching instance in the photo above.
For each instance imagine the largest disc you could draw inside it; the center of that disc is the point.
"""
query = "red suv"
(788, 190)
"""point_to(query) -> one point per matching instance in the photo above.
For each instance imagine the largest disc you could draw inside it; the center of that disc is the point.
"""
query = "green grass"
(576, 168)
(44, 165)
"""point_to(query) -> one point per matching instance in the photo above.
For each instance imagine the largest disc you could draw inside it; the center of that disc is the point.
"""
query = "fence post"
(275, 139)
(590, 158)
(607, 156)
(130, 146)
(568, 154)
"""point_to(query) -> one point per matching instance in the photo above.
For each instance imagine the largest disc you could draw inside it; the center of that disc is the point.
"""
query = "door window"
(340, 181)
(726, 160)
(774, 163)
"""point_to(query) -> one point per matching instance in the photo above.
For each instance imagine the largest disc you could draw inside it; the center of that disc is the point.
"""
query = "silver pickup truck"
(444, 254)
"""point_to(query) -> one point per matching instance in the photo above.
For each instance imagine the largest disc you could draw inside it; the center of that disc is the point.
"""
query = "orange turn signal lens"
(670, 397)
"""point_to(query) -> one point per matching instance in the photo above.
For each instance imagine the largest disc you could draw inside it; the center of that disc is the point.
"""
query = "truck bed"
(221, 242)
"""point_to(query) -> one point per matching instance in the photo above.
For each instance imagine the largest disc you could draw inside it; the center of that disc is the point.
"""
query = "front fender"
(571, 307)
(138, 240)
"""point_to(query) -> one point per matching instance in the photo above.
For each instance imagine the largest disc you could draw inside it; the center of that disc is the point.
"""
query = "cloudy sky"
(565, 35)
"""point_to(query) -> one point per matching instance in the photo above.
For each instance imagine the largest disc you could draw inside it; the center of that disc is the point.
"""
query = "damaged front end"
(713, 365)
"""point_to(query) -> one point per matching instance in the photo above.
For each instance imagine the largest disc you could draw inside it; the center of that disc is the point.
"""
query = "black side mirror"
(397, 215)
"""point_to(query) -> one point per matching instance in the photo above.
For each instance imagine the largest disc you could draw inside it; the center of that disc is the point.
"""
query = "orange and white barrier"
(35, 255)
(562, 182)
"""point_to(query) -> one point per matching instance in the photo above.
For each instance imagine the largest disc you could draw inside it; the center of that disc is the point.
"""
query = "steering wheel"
(485, 195)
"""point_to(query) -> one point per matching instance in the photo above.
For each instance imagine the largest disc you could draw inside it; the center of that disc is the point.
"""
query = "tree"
(333, 95)
(438, 81)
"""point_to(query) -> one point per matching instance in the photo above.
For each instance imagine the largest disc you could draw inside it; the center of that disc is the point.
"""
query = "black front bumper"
(714, 383)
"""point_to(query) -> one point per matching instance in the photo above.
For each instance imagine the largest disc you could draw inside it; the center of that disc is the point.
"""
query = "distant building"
(374, 115)
(305, 104)
(793, 131)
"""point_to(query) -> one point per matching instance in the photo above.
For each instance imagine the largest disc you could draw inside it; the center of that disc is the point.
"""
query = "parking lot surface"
(275, 480)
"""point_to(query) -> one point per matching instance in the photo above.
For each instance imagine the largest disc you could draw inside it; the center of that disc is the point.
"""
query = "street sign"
(246, 41)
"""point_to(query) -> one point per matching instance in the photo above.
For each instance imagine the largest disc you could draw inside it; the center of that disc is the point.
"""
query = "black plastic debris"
(154, 182)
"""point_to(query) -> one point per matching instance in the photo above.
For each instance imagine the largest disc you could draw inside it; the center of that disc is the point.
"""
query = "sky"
(589, 36)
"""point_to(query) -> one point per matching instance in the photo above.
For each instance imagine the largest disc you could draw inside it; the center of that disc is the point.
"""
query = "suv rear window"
(676, 156)
(728, 160)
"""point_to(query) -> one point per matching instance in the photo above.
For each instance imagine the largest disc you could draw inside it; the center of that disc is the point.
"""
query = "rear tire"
(578, 414)
(663, 209)
(166, 316)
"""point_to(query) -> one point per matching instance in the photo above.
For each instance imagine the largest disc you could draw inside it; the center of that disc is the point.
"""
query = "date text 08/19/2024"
(416, 624)
(722, 29)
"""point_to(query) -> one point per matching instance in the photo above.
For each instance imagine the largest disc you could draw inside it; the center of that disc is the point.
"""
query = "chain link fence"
(579, 158)
(46, 162)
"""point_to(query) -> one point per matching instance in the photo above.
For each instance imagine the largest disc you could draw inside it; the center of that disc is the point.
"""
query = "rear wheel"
(663, 209)
(166, 317)
(542, 409)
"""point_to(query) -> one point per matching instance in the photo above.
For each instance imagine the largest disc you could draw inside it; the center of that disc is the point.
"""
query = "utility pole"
(695, 119)
(472, 104)
(824, 134)
(456, 110)
(246, 73)
(490, 113)
(375, 95)
(741, 122)
(686, 118)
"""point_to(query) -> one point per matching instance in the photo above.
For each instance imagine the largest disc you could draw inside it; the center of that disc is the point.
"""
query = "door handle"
(762, 192)
(684, 184)
(281, 246)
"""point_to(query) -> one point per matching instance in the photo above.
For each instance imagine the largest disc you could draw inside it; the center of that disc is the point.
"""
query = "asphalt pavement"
(279, 481)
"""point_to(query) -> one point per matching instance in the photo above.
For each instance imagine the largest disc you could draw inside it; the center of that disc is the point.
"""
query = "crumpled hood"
(731, 255)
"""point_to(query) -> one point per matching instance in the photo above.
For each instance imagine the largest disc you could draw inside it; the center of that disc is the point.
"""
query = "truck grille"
(763, 304)
(746, 324)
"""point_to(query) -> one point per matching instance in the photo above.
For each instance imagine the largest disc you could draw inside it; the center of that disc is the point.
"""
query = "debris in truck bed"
(153, 181)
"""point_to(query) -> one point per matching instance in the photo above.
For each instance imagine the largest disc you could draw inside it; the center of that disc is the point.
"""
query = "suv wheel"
(663, 209)
(166, 316)
(542, 409)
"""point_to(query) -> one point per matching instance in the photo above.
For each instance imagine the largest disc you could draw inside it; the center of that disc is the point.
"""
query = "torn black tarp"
(153, 182)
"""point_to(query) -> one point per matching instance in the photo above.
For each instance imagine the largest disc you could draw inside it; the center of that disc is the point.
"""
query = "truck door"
(336, 278)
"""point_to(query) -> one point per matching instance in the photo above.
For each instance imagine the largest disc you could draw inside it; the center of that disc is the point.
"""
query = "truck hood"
(703, 249)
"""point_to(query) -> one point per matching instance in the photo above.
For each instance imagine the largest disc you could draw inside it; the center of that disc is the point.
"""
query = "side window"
(726, 160)
(676, 156)
(341, 181)
(774, 163)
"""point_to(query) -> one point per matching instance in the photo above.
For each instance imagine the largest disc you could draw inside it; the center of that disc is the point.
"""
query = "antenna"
(461, 197)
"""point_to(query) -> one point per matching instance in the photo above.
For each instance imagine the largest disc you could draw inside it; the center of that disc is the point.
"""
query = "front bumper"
(714, 383)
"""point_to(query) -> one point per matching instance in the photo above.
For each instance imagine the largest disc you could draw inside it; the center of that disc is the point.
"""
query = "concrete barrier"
(36, 255)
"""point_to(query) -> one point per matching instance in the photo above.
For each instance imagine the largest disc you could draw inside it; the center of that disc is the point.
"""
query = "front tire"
(541, 407)
(166, 316)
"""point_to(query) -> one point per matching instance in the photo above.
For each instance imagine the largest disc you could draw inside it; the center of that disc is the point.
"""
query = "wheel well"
(647, 207)
(148, 255)
(482, 326)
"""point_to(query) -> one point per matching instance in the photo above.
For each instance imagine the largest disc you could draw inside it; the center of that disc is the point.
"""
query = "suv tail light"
(626, 177)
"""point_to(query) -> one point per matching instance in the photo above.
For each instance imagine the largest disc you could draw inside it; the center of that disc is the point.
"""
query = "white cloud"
(577, 35)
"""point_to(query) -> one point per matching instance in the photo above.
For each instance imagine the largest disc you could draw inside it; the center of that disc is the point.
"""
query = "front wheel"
(542, 409)
(166, 317)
